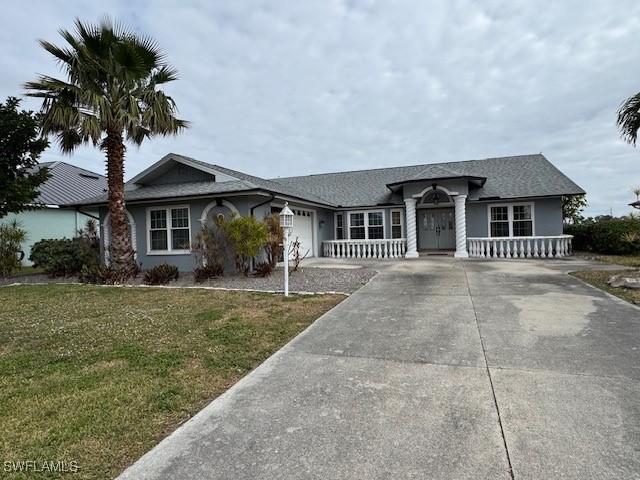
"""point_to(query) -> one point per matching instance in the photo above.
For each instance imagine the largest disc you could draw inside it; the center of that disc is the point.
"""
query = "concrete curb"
(193, 287)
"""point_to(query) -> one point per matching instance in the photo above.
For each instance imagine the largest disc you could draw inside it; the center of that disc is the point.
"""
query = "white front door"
(303, 231)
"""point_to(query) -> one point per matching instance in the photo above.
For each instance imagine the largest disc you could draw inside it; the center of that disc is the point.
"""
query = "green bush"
(63, 257)
(606, 235)
(247, 237)
(11, 238)
(161, 274)
(67, 256)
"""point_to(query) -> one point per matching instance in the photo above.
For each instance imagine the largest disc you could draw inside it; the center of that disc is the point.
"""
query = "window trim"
(510, 217)
(335, 225)
(366, 223)
(168, 229)
(391, 224)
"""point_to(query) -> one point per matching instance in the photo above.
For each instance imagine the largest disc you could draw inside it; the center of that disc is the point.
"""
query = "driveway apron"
(437, 369)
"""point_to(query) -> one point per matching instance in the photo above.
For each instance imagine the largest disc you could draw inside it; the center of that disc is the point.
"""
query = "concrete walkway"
(437, 369)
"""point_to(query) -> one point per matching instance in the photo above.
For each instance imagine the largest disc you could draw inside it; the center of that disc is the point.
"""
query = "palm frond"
(112, 80)
(629, 119)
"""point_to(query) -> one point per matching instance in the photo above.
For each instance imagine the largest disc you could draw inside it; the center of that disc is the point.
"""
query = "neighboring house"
(66, 184)
(509, 206)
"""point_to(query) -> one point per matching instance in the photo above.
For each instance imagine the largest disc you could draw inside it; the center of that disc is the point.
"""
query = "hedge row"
(613, 236)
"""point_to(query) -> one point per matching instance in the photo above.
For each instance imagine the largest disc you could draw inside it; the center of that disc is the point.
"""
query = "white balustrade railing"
(520, 247)
(387, 248)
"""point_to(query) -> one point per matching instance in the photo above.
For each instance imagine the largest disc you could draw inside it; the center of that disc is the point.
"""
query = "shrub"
(210, 270)
(264, 269)
(11, 238)
(606, 235)
(99, 275)
(247, 236)
(275, 239)
(64, 257)
(210, 248)
(161, 274)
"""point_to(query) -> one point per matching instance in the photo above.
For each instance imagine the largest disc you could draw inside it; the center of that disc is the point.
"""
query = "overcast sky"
(281, 87)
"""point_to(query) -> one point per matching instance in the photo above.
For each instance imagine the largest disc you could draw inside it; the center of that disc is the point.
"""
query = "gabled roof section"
(164, 163)
(68, 183)
(234, 182)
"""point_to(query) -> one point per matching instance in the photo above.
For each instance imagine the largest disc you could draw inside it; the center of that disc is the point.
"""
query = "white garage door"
(303, 229)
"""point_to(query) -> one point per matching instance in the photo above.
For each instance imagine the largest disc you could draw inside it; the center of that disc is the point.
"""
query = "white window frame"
(366, 223)
(345, 234)
(510, 217)
(169, 251)
(391, 224)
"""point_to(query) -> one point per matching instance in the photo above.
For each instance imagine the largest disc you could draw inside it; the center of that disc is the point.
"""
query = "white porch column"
(412, 241)
(461, 226)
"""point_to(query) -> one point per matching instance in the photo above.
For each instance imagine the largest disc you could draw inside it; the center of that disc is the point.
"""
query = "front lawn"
(98, 375)
(598, 278)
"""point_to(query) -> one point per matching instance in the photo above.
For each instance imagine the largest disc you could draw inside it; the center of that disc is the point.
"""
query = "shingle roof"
(68, 183)
(169, 190)
(507, 177)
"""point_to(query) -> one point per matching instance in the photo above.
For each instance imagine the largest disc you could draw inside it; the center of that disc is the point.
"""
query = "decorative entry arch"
(218, 203)
(106, 235)
(435, 194)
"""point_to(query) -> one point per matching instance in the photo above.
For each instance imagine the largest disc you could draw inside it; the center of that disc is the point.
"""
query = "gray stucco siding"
(547, 213)
(261, 205)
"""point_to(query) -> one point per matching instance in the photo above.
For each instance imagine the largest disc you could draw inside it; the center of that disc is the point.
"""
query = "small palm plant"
(636, 192)
(629, 119)
(110, 93)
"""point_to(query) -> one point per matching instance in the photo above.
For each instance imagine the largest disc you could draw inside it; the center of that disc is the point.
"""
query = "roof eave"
(390, 186)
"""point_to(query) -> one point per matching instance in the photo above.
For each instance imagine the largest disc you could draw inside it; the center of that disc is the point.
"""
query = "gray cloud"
(282, 88)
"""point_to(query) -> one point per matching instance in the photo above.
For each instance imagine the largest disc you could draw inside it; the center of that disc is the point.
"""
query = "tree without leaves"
(629, 119)
(20, 148)
(111, 92)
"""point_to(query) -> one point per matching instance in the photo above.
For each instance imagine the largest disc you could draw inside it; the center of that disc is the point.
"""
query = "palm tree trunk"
(120, 250)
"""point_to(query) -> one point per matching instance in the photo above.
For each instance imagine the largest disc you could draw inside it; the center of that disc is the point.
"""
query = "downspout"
(79, 210)
(251, 210)
(273, 197)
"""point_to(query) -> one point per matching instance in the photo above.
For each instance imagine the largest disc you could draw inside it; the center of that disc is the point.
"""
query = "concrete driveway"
(437, 369)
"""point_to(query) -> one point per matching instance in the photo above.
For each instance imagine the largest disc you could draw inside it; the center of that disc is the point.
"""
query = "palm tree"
(110, 92)
(629, 119)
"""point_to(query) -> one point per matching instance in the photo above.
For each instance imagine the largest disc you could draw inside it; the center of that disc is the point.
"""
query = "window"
(375, 229)
(366, 225)
(511, 220)
(396, 224)
(339, 226)
(169, 230)
(500, 221)
(357, 229)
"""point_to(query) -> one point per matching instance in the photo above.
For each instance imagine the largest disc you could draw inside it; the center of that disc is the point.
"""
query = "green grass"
(98, 375)
(598, 278)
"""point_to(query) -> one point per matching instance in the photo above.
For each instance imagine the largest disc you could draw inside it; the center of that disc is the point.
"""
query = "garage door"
(303, 229)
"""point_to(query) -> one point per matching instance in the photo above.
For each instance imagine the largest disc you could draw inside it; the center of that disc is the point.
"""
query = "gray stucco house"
(496, 207)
